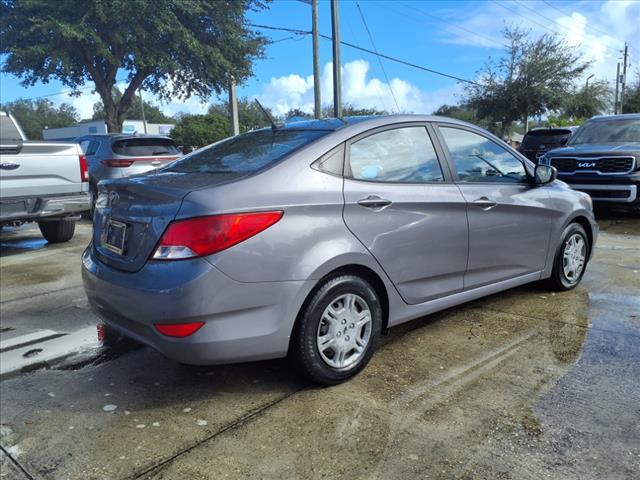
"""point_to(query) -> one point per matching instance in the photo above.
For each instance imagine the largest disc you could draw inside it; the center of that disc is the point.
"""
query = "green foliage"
(297, 113)
(172, 49)
(587, 101)
(460, 112)
(200, 130)
(533, 78)
(34, 115)
(152, 113)
(632, 97)
(349, 110)
(554, 121)
(250, 116)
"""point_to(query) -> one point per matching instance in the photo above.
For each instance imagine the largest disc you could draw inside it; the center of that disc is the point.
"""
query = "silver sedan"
(312, 239)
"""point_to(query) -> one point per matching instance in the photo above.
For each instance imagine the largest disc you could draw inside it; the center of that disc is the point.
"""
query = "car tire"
(573, 250)
(337, 330)
(57, 231)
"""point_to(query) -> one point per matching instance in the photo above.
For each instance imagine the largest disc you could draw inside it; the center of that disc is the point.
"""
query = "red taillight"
(117, 163)
(196, 237)
(84, 168)
(180, 330)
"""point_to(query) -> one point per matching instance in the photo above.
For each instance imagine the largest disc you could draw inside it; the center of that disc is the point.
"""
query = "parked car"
(43, 182)
(312, 238)
(538, 141)
(123, 155)
(603, 159)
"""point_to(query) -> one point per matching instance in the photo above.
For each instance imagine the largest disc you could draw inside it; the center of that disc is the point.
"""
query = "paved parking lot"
(524, 384)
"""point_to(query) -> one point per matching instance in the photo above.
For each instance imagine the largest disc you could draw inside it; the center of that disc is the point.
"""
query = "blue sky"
(455, 37)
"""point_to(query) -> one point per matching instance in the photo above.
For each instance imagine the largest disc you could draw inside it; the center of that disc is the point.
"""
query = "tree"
(200, 130)
(152, 113)
(172, 49)
(460, 112)
(36, 115)
(297, 113)
(590, 100)
(349, 110)
(250, 116)
(632, 97)
(532, 78)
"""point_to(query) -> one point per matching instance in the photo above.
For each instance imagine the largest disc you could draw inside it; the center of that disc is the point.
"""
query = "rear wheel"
(571, 258)
(338, 330)
(57, 231)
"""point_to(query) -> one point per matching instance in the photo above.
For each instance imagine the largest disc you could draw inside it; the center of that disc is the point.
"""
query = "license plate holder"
(115, 237)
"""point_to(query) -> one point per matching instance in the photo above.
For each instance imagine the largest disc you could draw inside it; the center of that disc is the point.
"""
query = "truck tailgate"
(41, 169)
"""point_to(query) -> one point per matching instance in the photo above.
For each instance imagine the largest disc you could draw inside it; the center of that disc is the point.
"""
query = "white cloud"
(584, 25)
(82, 103)
(284, 93)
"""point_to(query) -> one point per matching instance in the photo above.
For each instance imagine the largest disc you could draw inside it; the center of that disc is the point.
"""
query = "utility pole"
(316, 59)
(233, 108)
(624, 77)
(615, 103)
(337, 82)
(144, 120)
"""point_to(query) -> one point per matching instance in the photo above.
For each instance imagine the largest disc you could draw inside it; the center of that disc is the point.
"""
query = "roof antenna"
(274, 125)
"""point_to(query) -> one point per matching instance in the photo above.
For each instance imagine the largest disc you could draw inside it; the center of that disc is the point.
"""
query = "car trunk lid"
(132, 214)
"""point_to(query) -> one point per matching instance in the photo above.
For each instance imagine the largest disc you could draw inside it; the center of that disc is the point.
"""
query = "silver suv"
(313, 238)
(122, 155)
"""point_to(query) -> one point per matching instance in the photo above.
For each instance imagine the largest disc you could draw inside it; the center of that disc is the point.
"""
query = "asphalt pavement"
(524, 384)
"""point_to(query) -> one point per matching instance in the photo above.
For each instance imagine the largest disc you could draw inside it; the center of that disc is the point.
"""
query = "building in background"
(99, 126)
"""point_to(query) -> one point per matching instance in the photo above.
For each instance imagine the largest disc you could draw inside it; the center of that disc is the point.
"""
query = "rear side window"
(89, 147)
(246, 153)
(402, 155)
(145, 147)
(9, 134)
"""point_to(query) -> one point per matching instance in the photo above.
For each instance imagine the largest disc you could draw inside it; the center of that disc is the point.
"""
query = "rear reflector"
(200, 236)
(84, 169)
(179, 330)
(117, 163)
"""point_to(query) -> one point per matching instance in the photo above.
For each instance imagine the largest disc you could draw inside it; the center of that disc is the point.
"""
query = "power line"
(530, 20)
(363, 49)
(65, 92)
(564, 12)
(378, 57)
(451, 24)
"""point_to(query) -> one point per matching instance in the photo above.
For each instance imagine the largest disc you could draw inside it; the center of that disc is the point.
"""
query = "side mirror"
(544, 174)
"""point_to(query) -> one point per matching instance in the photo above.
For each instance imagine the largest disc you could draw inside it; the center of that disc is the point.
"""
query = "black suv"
(602, 158)
(539, 141)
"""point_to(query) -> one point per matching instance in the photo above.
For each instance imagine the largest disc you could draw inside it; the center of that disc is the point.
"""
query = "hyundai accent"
(313, 238)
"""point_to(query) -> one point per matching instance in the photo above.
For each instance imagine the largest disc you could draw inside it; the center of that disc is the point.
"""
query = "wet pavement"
(520, 385)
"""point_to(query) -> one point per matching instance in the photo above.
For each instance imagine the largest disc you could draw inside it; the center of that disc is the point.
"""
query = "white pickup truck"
(43, 182)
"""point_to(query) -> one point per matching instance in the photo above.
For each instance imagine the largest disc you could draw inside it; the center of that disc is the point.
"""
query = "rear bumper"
(15, 209)
(243, 321)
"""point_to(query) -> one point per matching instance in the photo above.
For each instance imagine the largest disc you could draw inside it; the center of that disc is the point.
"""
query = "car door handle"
(485, 203)
(374, 201)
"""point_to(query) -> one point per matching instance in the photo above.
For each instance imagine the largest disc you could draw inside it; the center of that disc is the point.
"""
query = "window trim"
(452, 166)
(444, 167)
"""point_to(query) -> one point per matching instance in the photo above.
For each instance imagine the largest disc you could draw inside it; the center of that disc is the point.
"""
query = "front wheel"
(57, 231)
(337, 330)
(571, 259)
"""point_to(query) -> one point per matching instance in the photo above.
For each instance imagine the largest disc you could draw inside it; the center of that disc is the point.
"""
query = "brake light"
(200, 236)
(179, 330)
(84, 168)
(117, 163)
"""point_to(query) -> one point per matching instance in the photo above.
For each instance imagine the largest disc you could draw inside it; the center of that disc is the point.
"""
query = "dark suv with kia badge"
(602, 158)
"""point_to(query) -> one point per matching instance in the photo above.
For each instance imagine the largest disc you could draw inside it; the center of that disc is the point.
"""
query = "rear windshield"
(608, 131)
(9, 134)
(145, 147)
(545, 137)
(246, 153)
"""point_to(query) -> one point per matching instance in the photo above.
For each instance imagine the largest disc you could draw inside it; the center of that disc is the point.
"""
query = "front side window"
(402, 155)
(478, 159)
